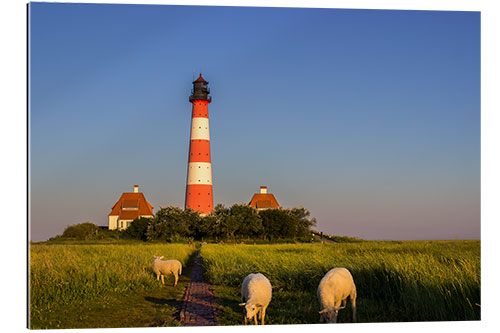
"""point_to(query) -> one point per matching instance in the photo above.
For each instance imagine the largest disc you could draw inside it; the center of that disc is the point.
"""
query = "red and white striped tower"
(199, 195)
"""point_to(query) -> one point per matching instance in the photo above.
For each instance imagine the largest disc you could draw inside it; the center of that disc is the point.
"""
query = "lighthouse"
(199, 195)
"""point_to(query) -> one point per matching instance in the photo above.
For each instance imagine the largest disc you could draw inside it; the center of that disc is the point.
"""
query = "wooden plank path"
(198, 307)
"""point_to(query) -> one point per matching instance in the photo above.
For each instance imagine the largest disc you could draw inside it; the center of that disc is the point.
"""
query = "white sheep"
(333, 291)
(165, 267)
(256, 293)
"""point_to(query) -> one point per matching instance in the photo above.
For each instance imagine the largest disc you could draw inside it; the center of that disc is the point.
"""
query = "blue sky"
(368, 118)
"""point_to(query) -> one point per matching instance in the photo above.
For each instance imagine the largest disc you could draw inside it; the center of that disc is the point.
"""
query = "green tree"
(272, 222)
(192, 221)
(217, 218)
(286, 223)
(304, 224)
(138, 228)
(240, 220)
(173, 222)
(158, 231)
(206, 228)
(226, 225)
(247, 220)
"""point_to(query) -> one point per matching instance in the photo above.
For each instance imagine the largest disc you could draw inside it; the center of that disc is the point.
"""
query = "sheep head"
(250, 309)
(329, 315)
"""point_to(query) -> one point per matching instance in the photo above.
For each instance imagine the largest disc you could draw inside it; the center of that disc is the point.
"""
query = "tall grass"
(65, 273)
(396, 281)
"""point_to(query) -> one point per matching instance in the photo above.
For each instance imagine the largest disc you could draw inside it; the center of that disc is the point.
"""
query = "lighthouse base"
(199, 198)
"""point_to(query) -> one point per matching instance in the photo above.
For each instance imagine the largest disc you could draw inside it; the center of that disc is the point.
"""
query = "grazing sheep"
(256, 293)
(333, 291)
(165, 267)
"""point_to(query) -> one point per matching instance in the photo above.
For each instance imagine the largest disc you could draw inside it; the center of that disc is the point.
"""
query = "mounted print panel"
(215, 165)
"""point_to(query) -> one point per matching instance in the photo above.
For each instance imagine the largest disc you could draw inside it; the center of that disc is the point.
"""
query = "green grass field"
(111, 284)
(78, 285)
(396, 281)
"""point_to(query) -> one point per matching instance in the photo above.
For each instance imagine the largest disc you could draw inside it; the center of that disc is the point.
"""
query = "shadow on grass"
(161, 301)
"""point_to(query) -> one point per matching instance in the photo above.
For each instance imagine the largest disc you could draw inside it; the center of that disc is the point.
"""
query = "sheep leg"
(353, 305)
(157, 277)
(337, 304)
(162, 279)
(176, 278)
(262, 315)
(255, 319)
(352, 296)
(245, 320)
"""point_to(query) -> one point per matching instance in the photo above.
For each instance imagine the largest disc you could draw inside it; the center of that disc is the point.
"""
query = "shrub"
(138, 228)
(85, 231)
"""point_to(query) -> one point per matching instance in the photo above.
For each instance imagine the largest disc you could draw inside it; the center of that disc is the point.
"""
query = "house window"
(121, 224)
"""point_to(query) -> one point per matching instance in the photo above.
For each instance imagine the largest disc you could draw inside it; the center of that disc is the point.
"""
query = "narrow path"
(198, 307)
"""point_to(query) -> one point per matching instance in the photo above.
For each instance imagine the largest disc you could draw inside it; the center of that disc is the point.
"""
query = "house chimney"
(263, 189)
(136, 188)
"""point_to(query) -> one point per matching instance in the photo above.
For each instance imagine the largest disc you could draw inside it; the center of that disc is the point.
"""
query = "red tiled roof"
(264, 200)
(130, 203)
(129, 200)
(128, 215)
(200, 79)
(263, 203)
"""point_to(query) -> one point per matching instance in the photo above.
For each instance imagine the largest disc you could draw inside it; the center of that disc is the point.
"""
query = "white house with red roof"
(264, 200)
(130, 206)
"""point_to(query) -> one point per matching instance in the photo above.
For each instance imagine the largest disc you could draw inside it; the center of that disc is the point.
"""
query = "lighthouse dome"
(200, 79)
